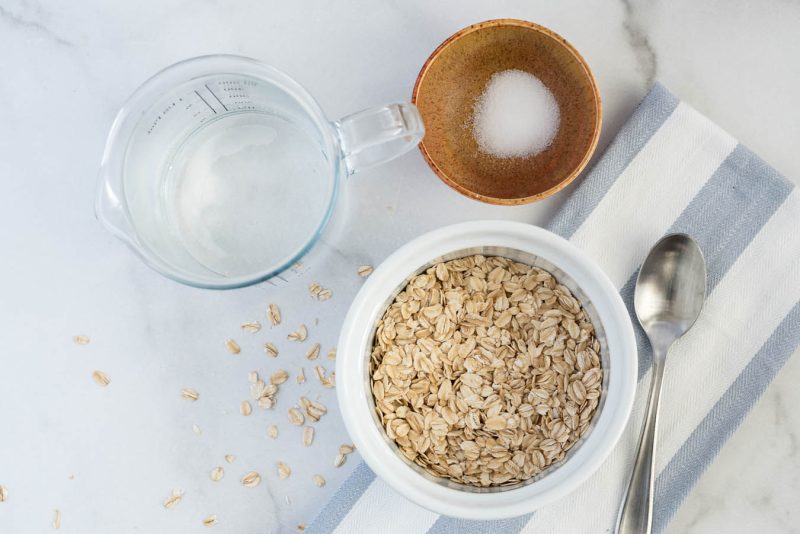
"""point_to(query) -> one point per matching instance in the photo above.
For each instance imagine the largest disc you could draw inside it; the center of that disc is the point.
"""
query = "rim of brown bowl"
(595, 92)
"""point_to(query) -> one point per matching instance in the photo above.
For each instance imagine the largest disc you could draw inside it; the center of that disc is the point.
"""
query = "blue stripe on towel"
(651, 113)
(344, 499)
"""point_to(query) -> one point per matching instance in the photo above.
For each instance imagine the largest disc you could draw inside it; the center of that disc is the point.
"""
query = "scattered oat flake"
(245, 408)
(313, 352)
(308, 436)
(340, 460)
(272, 431)
(346, 449)
(217, 473)
(173, 499)
(364, 271)
(283, 470)
(301, 527)
(57, 519)
(301, 376)
(332, 354)
(251, 479)
(274, 314)
(252, 377)
(314, 288)
(210, 521)
(230, 458)
(319, 292)
(318, 481)
(298, 335)
(3, 493)
(279, 377)
(251, 327)
(196, 429)
(326, 381)
(101, 378)
(320, 372)
(270, 349)
(81, 340)
(263, 393)
(296, 416)
(313, 410)
(190, 394)
(233, 346)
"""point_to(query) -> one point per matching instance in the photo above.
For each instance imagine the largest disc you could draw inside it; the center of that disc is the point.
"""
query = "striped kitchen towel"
(669, 170)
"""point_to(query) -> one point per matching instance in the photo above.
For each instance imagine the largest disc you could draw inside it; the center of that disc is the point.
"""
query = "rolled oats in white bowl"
(486, 369)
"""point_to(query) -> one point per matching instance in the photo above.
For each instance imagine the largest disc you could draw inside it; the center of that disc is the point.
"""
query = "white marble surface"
(66, 67)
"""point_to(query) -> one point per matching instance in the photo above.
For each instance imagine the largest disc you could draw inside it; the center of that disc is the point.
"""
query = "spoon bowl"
(671, 286)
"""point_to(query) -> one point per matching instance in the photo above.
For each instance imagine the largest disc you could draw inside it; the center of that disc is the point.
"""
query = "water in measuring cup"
(246, 191)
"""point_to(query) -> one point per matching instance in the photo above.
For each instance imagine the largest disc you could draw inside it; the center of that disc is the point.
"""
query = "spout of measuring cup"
(378, 135)
(109, 210)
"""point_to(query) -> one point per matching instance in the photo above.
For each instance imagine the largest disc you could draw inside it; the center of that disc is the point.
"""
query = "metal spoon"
(670, 291)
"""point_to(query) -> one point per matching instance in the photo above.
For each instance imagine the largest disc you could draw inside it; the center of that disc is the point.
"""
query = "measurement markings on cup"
(215, 96)
(206, 103)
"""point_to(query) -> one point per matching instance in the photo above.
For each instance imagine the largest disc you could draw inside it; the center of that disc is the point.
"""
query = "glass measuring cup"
(221, 172)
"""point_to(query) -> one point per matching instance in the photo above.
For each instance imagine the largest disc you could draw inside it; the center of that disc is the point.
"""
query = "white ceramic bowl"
(520, 242)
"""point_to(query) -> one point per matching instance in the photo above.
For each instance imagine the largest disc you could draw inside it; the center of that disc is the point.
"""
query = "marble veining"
(783, 420)
(640, 42)
(20, 21)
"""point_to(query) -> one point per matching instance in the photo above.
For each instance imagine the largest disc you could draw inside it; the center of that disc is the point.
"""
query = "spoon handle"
(636, 513)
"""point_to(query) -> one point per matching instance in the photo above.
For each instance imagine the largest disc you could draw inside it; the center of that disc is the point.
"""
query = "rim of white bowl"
(355, 399)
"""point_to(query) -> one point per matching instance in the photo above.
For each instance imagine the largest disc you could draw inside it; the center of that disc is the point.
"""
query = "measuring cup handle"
(377, 135)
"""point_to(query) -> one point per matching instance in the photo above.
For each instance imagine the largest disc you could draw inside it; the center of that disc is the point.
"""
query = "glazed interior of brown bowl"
(455, 76)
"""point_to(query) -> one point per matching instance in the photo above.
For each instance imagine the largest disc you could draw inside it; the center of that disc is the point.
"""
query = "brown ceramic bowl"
(455, 75)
